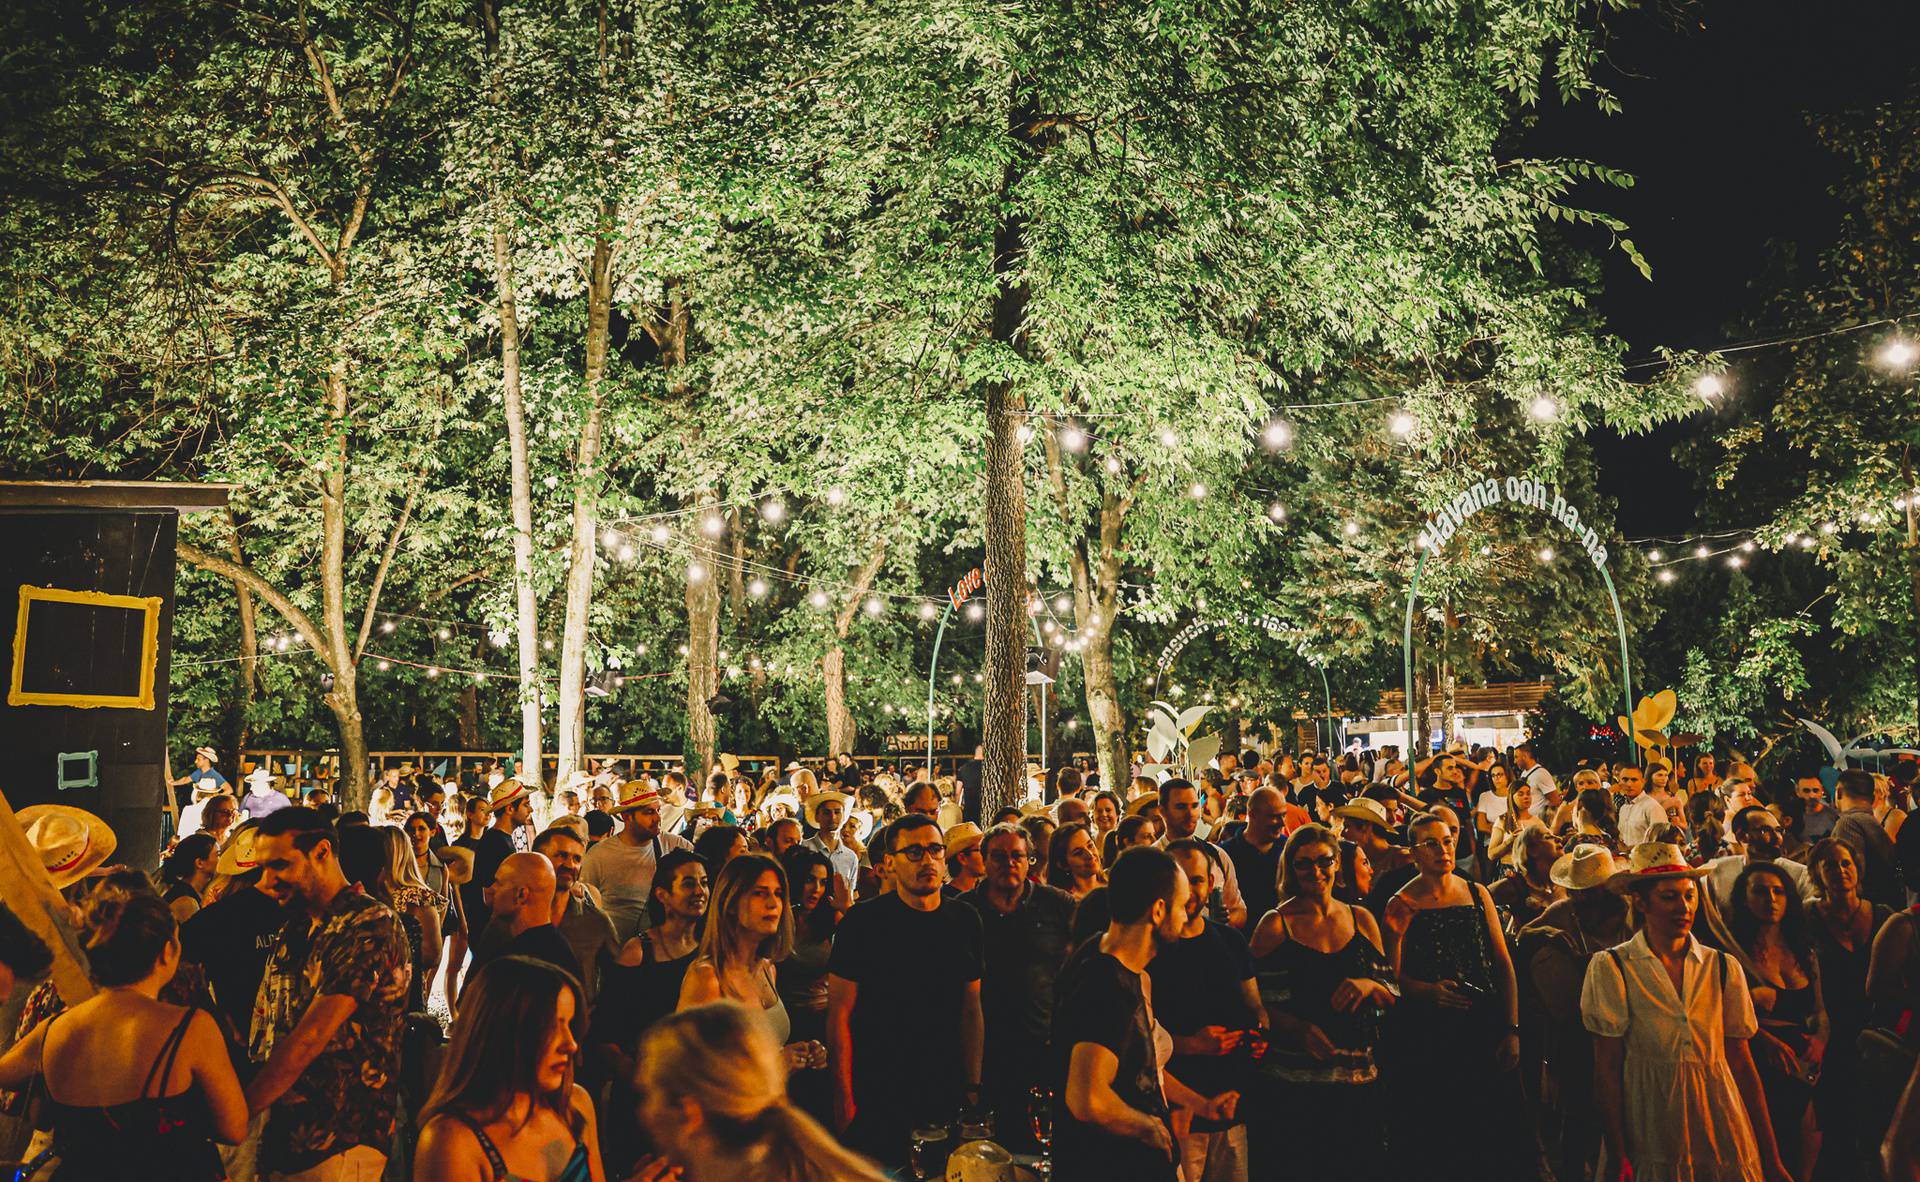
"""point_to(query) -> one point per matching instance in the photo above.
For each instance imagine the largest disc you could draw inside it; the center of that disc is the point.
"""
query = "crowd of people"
(1349, 968)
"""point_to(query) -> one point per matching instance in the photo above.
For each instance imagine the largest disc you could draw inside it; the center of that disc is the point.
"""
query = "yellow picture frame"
(148, 605)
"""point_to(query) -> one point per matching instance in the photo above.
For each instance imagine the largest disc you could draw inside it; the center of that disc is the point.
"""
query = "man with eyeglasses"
(1762, 838)
(904, 1026)
(1028, 929)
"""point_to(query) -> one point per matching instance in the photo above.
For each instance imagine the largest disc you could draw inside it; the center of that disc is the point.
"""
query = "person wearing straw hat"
(1674, 1080)
(72, 843)
(827, 812)
(621, 867)
(205, 778)
(263, 796)
(232, 936)
(1551, 956)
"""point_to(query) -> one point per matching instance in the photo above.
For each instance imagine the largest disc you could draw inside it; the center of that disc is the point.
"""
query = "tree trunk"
(470, 719)
(526, 608)
(586, 513)
(833, 666)
(1003, 704)
(344, 700)
(703, 658)
(242, 731)
(1103, 712)
(1913, 571)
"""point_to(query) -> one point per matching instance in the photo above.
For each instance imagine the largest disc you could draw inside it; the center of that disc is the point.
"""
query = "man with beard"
(904, 1026)
(1762, 838)
(1117, 1113)
(326, 1024)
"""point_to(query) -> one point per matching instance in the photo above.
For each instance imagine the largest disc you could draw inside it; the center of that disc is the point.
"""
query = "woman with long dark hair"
(187, 872)
(1769, 923)
(1073, 864)
(715, 1102)
(135, 1087)
(505, 1107)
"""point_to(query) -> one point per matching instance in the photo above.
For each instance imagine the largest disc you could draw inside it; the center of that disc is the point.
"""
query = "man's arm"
(973, 1035)
(841, 994)
(1091, 1099)
(296, 1052)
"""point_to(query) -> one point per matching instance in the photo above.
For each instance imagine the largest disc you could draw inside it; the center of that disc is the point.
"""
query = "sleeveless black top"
(158, 1138)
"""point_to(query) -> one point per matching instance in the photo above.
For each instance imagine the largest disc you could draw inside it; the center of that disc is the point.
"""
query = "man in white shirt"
(1546, 794)
(1640, 814)
(827, 812)
(621, 867)
(1760, 832)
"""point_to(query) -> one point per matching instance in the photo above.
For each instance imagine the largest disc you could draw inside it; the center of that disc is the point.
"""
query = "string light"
(1655, 556)
(1401, 424)
(1544, 409)
(1114, 466)
(975, 612)
(757, 588)
(1277, 435)
(713, 525)
(928, 611)
(1546, 554)
(1664, 575)
(1277, 511)
(1073, 437)
(1197, 490)
(874, 606)
(696, 572)
(1169, 438)
(660, 534)
(1709, 387)
(1351, 529)
(1898, 354)
(774, 510)
(818, 599)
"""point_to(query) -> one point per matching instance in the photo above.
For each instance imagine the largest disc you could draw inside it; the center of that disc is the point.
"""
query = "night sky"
(1714, 130)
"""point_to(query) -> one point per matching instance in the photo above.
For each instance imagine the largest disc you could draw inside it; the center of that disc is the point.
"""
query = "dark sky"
(1714, 129)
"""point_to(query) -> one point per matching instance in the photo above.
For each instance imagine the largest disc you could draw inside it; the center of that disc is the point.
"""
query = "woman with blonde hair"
(505, 1107)
(715, 1102)
(749, 930)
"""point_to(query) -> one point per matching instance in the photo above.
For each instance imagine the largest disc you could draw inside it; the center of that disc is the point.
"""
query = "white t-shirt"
(1639, 817)
(1722, 873)
(623, 874)
(1540, 780)
(1491, 806)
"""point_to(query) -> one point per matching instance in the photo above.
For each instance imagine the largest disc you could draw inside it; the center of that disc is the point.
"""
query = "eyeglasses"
(920, 853)
(1323, 862)
(1008, 858)
(1434, 843)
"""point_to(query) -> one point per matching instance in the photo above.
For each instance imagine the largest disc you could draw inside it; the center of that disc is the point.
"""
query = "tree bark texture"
(241, 729)
(703, 658)
(586, 514)
(841, 734)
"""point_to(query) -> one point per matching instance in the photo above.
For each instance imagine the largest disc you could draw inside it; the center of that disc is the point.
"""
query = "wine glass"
(930, 1150)
(1040, 1113)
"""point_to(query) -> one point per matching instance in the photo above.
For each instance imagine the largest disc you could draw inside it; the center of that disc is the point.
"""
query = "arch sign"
(1528, 492)
(1269, 623)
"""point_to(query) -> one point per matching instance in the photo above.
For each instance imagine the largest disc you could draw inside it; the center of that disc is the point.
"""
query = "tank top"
(1299, 980)
(575, 1170)
(163, 1138)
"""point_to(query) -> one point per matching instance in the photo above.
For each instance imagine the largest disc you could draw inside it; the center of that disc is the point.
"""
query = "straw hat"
(862, 825)
(237, 857)
(637, 794)
(458, 860)
(1652, 861)
(793, 767)
(1040, 808)
(776, 799)
(819, 798)
(1584, 868)
(212, 756)
(962, 837)
(505, 793)
(731, 763)
(260, 779)
(1365, 809)
(1142, 803)
(576, 781)
(72, 843)
(948, 815)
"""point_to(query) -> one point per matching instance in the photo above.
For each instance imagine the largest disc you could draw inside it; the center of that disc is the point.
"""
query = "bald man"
(521, 900)
(1255, 852)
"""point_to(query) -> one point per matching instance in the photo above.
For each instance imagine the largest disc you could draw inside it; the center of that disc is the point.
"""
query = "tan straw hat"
(962, 837)
(72, 843)
(237, 857)
(862, 825)
(458, 860)
(1584, 868)
(819, 798)
(775, 800)
(1365, 809)
(1651, 861)
(505, 793)
(1142, 803)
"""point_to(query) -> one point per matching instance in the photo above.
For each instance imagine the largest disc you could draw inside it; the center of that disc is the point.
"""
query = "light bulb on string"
(1277, 435)
(383, 664)
(1063, 603)
(975, 612)
(1664, 575)
(432, 671)
(757, 588)
(1748, 545)
(774, 509)
(696, 572)
(1701, 551)
(1197, 490)
(1898, 354)
(444, 633)
(1401, 424)
(1351, 529)
(1709, 387)
(1169, 438)
(928, 611)
(713, 525)
(1024, 433)
(1735, 561)
(874, 606)
(624, 553)
(1655, 556)
(660, 535)
(818, 599)
(1277, 511)
(1544, 409)
(1073, 437)
(386, 625)
(836, 496)
(1546, 554)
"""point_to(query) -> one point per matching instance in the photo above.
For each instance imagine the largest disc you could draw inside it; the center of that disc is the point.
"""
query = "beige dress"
(1685, 1120)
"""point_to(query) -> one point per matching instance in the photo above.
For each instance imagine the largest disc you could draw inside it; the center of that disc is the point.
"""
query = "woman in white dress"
(1679, 1098)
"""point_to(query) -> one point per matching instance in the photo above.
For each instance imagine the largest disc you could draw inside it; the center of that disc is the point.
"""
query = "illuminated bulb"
(928, 611)
(624, 554)
(754, 663)
(874, 606)
(1023, 433)
(1278, 434)
(1544, 409)
(683, 650)
(1351, 529)
(432, 672)
(975, 611)
(836, 495)
(660, 534)
(1655, 556)
(1898, 354)
(1546, 554)
(1486, 551)
(1701, 551)
(444, 634)
(733, 671)
(818, 599)
(1734, 560)
(382, 665)
(696, 572)
(774, 510)
(1277, 511)
(1114, 466)
(478, 678)
(1828, 527)
(609, 538)
(713, 525)
(1422, 542)
(1073, 438)
(547, 645)
(639, 650)
(1169, 438)
(957, 679)
(1665, 576)
(757, 588)
(1034, 607)
(1062, 603)
(1197, 490)
(978, 678)
(1806, 543)
(1747, 545)
(1709, 386)
(1401, 424)
(386, 625)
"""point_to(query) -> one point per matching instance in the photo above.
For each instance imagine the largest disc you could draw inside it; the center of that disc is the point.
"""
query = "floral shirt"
(349, 1094)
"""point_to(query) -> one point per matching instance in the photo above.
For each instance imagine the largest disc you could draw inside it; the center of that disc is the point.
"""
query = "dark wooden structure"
(86, 593)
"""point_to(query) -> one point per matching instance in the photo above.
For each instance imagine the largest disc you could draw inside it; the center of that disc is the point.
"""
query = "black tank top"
(157, 1138)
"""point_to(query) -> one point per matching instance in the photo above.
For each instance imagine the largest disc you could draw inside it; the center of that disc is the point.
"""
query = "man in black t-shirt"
(904, 1025)
(1114, 1120)
(232, 936)
(522, 925)
(490, 848)
(1028, 928)
(1204, 994)
(1255, 853)
(971, 775)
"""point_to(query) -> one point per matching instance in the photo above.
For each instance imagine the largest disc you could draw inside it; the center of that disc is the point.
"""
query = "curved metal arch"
(1272, 626)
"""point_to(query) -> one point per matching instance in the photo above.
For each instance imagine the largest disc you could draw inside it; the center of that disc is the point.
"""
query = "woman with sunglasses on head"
(506, 1108)
(1325, 984)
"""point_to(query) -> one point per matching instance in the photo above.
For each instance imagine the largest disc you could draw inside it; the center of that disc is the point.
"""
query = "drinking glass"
(930, 1149)
(1040, 1113)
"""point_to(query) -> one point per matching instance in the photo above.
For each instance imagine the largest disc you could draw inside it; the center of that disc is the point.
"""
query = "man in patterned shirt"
(327, 1020)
